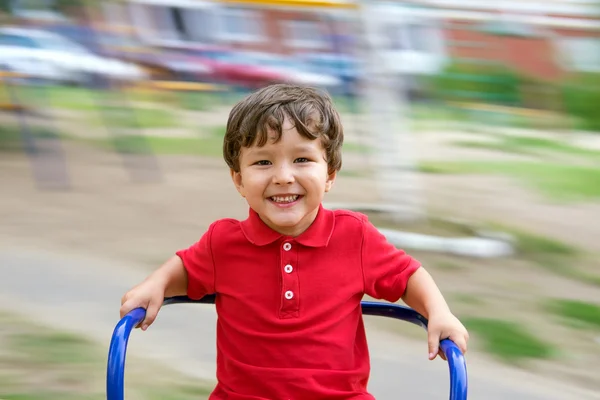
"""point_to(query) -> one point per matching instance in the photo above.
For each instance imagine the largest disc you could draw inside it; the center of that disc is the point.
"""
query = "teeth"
(284, 199)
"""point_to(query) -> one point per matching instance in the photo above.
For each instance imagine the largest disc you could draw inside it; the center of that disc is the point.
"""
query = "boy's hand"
(445, 326)
(148, 295)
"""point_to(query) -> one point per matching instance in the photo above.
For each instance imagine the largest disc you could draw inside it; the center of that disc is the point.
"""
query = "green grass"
(447, 168)
(423, 115)
(40, 363)
(165, 146)
(556, 181)
(356, 148)
(11, 137)
(554, 256)
(580, 313)
(76, 98)
(115, 108)
(347, 105)
(54, 348)
(197, 101)
(438, 113)
(210, 145)
(427, 226)
(531, 245)
(531, 145)
(83, 99)
(63, 97)
(508, 341)
(129, 117)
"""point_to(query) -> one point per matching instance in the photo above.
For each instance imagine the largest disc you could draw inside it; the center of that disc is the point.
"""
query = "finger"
(433, 341)
(151, 313)
(124, 298)
(126, 307)
(442, 355)
(129, 306)
(461, 342)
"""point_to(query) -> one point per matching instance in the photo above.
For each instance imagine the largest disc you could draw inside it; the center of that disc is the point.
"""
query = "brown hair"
(310, 110)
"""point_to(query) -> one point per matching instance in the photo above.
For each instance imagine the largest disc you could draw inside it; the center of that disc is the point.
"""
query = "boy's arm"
(423, 295)
(174, 277)
(167, 281)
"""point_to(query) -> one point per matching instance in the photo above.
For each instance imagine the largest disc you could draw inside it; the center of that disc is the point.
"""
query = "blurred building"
(544, 39)
(540, 38)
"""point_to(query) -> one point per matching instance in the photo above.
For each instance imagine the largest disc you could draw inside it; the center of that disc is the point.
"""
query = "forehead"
(287, 126)
(289, 142)
(290, 137)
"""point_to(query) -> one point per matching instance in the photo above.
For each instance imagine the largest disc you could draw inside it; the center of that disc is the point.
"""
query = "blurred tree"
(58, 5)
(67, 5)
(74, 7)
(6, 5)
(492, 83)
(581, 97)
(14, 5)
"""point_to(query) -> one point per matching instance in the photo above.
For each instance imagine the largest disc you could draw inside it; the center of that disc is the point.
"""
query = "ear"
(330, 181)
(236, 177)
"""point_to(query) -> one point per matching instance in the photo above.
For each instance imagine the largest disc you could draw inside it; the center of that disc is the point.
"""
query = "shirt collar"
(317, 234)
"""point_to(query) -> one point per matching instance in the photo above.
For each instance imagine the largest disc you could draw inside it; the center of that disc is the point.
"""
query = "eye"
(301, 160)
(263, 162)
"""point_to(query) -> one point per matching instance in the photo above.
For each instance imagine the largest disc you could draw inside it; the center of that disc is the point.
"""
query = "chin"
(286, 223)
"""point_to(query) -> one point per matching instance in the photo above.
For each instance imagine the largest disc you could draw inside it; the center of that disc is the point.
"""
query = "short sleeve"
(198, 262)
(386, 269)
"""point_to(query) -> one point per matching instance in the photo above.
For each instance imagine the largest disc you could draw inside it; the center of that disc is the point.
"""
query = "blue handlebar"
(115, 374)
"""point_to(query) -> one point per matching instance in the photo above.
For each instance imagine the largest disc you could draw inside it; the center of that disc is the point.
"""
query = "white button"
(289, 295)
(288, 268)
(287, 246)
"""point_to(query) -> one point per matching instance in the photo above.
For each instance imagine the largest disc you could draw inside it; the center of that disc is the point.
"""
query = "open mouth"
(284, 199)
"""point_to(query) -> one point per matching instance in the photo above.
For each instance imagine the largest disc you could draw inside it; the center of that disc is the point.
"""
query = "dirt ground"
(109, 213)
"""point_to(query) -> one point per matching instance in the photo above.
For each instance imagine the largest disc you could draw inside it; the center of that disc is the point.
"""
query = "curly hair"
(310, 110)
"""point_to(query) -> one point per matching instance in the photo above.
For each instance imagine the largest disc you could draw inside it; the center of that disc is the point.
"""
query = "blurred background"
(472, 141)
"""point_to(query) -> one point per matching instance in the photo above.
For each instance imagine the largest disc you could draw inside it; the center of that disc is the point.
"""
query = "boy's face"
(284, 182)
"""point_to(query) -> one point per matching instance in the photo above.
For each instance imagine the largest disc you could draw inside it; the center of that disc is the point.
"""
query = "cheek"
(254, 182)
(317, 179)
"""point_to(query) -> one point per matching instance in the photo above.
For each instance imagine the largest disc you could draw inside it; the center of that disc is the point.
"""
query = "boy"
(289, 279)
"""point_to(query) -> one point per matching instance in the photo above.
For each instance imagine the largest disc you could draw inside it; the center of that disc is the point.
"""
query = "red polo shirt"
(289, 316)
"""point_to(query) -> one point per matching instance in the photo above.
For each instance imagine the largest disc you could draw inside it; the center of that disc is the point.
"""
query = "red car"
(223, 70)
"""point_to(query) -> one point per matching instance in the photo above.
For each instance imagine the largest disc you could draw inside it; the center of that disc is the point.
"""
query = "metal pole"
(394, 155)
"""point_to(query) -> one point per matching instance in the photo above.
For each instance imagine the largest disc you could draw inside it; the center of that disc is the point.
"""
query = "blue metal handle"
(458, 370)
(115, 375)
(456, 360)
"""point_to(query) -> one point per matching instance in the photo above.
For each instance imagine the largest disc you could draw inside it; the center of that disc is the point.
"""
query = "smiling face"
(285, 180)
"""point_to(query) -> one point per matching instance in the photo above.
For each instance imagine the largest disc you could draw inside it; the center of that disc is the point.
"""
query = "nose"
(284, 175)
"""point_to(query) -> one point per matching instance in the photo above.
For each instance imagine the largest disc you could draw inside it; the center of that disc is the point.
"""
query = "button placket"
(289, 280)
